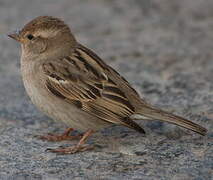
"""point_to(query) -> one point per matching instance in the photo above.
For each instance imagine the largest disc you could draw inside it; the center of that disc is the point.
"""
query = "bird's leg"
(62, 137)
(80, 147)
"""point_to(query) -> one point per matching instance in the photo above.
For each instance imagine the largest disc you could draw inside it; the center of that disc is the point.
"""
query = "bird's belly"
(58, 109)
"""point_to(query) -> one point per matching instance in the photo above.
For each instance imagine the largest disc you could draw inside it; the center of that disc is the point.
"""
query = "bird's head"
(43, 35)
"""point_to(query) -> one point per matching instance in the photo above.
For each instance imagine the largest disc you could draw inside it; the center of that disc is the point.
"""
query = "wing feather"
(81, 79)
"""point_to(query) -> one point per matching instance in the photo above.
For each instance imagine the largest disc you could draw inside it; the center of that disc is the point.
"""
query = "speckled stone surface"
(163, 47)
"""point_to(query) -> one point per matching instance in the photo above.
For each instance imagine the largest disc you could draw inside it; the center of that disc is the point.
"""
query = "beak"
(15, 35)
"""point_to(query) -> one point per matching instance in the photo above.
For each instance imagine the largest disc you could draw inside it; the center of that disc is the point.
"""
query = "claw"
(62, 137)
(80, 147)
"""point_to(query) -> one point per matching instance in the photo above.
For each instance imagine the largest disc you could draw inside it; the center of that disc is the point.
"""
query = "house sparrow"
(70, 83)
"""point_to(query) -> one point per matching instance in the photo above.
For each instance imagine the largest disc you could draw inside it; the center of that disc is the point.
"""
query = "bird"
(70, 83)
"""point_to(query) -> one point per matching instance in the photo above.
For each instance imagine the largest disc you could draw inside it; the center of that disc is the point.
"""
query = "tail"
(153, 113)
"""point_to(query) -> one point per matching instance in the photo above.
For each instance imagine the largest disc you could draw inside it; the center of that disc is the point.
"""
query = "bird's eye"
(30, 36)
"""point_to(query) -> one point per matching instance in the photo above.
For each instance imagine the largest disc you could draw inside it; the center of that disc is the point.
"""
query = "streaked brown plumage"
(69, 82)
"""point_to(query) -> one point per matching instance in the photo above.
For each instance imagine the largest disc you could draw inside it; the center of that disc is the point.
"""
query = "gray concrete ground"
(164, 48)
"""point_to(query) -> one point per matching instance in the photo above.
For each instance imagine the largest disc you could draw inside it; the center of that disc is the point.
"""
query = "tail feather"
(154, 113)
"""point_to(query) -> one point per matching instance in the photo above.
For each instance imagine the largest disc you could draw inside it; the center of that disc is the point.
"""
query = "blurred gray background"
(163, 47)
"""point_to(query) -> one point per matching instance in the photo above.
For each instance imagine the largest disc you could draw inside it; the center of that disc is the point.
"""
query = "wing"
(85, 81)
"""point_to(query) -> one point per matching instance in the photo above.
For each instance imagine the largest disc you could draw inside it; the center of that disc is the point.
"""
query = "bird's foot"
(62, 137)
(80, 147)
